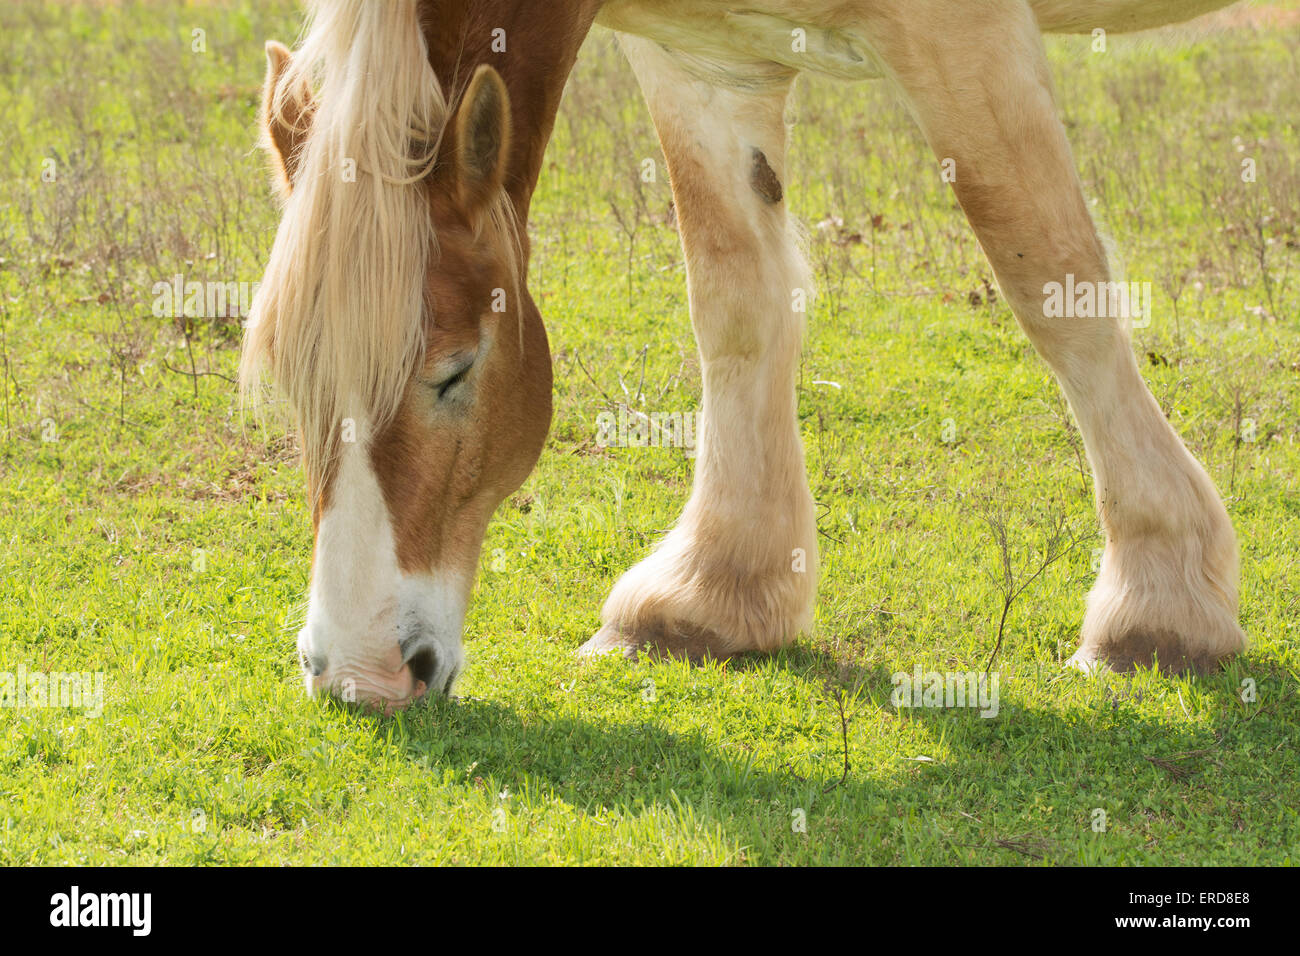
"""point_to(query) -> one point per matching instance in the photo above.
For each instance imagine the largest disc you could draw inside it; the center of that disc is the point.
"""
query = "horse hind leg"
(1167, 589)
(738, 572)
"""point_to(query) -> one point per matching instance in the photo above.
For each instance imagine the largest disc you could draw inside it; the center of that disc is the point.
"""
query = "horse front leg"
(739, 570)
(1167, 590)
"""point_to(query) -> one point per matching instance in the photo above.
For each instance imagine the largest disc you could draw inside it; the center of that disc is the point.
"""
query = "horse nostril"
(314, 664)
(422, 664)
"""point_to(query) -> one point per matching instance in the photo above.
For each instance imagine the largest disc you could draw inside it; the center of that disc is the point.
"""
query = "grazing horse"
(395, 316)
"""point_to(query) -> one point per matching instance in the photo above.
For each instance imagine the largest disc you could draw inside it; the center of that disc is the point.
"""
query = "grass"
(159, 540)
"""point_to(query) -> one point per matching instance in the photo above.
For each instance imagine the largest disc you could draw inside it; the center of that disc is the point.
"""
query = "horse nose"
(379, 688)
(423, 664)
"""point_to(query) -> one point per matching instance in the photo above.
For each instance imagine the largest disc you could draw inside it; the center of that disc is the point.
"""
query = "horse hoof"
(1144, 651)
(678, 641)
(609, 640)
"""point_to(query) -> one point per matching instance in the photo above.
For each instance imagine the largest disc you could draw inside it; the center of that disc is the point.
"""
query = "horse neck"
(542, 41)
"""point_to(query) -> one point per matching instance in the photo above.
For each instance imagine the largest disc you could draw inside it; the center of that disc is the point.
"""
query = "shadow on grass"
(1025, 757)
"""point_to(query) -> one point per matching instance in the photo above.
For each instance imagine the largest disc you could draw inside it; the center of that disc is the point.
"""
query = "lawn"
(151, 533)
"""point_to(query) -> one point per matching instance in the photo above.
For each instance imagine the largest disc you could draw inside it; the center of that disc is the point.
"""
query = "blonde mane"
(337, 321)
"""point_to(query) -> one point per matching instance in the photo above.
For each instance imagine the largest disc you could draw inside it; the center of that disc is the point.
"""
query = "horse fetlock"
(1167, 603)
(691, 601)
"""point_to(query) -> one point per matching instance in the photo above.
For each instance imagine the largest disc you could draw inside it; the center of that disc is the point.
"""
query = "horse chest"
(1117, 16)
(739, 46)
(735, 43)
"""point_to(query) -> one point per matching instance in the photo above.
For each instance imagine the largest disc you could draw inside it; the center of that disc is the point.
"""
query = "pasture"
(152, 534)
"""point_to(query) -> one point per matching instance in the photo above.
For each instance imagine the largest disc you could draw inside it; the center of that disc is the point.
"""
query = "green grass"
(208, 750)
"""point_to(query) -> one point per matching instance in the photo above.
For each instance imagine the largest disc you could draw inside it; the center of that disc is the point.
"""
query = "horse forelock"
(338, 320)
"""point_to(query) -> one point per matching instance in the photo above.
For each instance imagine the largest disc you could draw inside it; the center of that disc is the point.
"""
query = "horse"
(406, 139)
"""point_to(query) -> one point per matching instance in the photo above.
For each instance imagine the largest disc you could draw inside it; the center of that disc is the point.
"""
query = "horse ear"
(285, 128)
(482, 140)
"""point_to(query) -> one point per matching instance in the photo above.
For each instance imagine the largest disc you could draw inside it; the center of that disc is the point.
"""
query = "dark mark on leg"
(763, 178)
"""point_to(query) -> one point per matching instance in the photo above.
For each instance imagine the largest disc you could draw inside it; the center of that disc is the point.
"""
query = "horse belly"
(1117, 16)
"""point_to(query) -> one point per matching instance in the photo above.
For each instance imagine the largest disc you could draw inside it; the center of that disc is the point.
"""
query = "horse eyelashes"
(452, 382)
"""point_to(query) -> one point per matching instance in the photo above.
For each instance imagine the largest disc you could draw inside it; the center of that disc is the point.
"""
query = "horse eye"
(447, 384)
